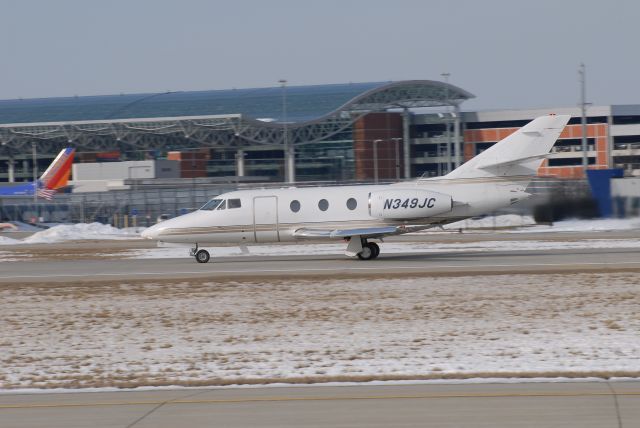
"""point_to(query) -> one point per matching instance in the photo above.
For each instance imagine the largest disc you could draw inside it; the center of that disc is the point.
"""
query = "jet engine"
(398, 204)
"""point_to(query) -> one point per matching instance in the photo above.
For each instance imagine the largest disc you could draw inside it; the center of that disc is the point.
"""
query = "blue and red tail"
(55, 177)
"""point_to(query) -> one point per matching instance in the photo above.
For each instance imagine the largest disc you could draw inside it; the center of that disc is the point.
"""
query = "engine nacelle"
(398, 204)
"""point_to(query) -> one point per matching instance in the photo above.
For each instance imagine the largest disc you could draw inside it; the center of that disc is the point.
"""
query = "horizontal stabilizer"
(513, 162)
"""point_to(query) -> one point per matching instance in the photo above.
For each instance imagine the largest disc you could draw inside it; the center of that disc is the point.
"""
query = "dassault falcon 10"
(495, 178)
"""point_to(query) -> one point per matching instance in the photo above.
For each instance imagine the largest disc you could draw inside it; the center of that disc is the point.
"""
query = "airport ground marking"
(308, 270)
(320, 398)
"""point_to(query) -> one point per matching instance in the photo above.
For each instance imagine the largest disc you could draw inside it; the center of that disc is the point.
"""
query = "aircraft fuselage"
(274, 215)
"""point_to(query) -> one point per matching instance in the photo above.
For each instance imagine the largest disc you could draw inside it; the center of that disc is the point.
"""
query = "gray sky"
(510, 54)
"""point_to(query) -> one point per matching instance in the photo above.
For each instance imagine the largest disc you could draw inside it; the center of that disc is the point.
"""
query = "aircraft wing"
(365, 232)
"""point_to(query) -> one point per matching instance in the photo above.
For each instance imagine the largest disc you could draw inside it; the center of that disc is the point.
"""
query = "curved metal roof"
(304, 103)
(229, 118)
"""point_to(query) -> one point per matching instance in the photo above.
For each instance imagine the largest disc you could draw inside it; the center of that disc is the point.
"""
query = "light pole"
(35, 174)
(446, 98)
(134, 189)
(397, 141)
(375, 160)
(583, 120)
(456, 136)
(289, 153)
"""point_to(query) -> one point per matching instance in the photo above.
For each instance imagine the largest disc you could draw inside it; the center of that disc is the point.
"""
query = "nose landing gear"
(202, 256)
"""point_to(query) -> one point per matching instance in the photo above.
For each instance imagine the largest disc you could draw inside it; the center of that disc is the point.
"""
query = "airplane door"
(265, 219)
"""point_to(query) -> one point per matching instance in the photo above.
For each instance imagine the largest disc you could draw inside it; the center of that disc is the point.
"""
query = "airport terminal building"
(303, 133)
(354, 132)
(339, 132)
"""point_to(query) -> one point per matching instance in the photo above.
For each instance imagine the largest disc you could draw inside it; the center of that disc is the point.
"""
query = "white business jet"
(496, 178)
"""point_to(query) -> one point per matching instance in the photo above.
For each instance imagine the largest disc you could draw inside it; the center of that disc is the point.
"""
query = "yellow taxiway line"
(332, 398)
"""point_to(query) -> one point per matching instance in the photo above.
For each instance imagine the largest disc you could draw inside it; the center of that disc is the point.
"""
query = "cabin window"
(295, 206)
(323, 204)
(352, 204)
(234, 203)
(211, 205)
(222, 205)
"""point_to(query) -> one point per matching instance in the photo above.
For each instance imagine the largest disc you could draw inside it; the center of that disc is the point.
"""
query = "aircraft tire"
(367, 253)
(202, 256)
(375, 249)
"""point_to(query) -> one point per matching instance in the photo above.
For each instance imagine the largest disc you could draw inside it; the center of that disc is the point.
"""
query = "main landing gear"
(370, 250)
(202, 256)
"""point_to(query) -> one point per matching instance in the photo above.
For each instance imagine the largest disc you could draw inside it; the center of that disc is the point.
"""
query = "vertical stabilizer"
(521, 153)
(57, 175)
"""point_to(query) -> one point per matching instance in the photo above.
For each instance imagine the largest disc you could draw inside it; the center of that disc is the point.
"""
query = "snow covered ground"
(201, 332)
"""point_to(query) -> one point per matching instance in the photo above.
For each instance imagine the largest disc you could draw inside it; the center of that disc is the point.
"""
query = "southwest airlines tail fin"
(55, 177)
(521, 153)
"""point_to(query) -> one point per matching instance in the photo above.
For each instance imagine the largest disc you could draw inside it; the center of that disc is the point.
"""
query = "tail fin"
(57, 175)
(521, 153)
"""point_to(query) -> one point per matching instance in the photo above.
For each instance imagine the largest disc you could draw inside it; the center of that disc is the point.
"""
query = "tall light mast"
(447, 120)
(582, 72)
(289, 152)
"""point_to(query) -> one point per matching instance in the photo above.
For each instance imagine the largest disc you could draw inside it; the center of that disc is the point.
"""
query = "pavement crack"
(615, 402)
(147, 414)
(150, 412)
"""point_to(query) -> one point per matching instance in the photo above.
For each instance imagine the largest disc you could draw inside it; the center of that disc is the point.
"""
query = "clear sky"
(509, 53)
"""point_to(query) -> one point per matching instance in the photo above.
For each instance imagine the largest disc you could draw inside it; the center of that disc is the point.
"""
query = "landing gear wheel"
(202, 256)
(375, 249)
(367, 252)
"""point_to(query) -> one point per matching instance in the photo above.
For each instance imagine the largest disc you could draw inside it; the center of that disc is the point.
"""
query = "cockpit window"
(234, 203)
(211, 205)
(222, 205)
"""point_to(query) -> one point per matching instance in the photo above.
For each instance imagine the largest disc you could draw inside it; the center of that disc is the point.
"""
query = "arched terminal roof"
(217, 117)
(304, 103)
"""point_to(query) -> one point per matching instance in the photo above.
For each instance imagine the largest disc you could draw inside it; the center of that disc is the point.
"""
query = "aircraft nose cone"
(151, 232)
(160, 230)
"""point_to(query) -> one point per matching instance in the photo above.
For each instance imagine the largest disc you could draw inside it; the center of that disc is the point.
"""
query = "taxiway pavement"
(533, 404)
(462, 263)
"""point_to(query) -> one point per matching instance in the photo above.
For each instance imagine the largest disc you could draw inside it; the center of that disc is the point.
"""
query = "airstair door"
(265, 219)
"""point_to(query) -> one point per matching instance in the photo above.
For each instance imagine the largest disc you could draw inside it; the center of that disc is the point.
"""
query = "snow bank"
(519, 223)
(596, 225)
(500, 221)
(80, 231)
